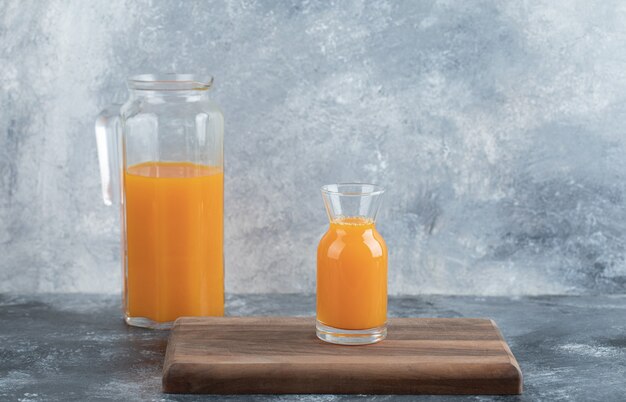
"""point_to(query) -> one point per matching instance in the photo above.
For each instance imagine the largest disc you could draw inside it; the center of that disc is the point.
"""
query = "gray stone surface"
(497, 127)
(76, 347)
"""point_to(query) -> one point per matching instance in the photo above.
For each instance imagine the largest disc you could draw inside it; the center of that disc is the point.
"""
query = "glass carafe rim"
(170, 82)
(353, 189)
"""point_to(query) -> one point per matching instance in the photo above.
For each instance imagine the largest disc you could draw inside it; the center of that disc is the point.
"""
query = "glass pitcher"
(161, 159)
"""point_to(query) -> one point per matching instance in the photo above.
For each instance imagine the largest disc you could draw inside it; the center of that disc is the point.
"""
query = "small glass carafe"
(352, 267)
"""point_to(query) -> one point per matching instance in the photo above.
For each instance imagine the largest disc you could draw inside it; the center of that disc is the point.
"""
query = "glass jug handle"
(109, 153)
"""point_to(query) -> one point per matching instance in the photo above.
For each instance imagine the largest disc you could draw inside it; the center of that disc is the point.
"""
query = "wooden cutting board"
(282, 355)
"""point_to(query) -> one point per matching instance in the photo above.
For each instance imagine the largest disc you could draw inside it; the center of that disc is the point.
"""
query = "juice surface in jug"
(352, 275)
(174, 229)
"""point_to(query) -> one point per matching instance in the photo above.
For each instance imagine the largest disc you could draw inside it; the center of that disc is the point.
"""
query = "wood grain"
(282, 355)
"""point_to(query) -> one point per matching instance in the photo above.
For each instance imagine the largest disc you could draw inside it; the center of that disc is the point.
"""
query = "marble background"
(497, 128)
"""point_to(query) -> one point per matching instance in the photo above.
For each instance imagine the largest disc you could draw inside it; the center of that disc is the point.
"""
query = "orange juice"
(174, 226)
(352, 275)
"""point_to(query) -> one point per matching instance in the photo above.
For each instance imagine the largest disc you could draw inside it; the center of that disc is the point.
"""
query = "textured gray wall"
(497, 127)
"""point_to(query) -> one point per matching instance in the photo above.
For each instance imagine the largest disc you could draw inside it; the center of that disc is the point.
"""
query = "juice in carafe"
(174, 229)
(352, 275)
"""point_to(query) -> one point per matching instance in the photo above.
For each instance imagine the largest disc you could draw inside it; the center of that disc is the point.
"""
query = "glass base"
(144, 322)
(350, 336)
